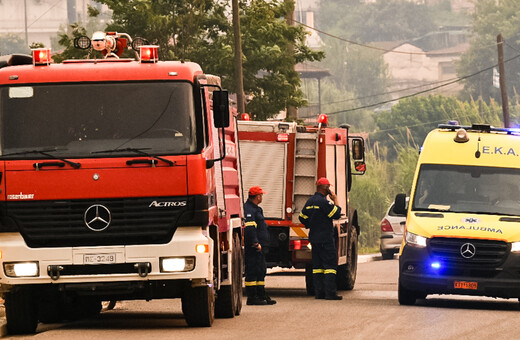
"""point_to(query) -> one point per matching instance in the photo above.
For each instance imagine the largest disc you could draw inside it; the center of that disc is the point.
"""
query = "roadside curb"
(369, 258)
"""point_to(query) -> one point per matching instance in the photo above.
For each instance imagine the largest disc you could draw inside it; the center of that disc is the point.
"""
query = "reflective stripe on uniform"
(317, 271)
(251, 283)
(260, 283)
(304, 216)
(251, 224)
(333, 211)
(312, 207)
(330, 271)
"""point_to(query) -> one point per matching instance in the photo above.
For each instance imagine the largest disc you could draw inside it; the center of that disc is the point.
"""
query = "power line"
(389, 92)
(424, 91)
(38, 18)
(370, 46)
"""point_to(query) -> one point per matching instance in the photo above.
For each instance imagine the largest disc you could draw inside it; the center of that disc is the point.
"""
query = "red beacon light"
(245, 116)
(149, 53)
(41, 56)
(282, 137)
(322, 119)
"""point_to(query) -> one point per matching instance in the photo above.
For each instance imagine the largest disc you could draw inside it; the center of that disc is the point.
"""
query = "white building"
(41, 20)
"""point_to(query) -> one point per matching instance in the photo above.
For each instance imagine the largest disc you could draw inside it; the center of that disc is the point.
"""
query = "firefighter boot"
(260, 291)
(319, 292)
(329, 283)
(252, 298)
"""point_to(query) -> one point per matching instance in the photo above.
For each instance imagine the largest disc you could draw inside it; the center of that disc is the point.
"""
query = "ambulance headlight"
(415, 240)
(177, 264)
(21, 269)
(515, 246)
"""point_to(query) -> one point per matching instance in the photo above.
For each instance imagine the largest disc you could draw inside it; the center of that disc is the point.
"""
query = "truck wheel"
(21, 312)
(229, 298)
(346, 275)
(406, 297)
(309, 284)
(50, 309)
(198, 306)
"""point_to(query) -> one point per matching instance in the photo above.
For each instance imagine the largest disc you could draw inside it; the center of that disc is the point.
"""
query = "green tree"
(491, 18)
(11, 43)
(410, 121)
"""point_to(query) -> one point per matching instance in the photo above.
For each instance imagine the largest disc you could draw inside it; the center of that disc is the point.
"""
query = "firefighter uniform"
(317, 215)
(255, 232)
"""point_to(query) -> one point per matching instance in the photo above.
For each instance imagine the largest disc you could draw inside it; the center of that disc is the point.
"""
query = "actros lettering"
(156, 204)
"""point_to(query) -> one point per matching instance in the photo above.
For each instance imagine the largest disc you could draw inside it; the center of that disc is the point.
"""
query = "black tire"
(229, 298)
(406, 297)
(309, 284)
(346, 275)
(50, 309)
(21, 311)
(198, 306)
(387, 254)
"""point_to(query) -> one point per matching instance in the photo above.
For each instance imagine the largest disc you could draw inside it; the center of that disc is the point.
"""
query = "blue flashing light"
(453, 122)
(435, 265)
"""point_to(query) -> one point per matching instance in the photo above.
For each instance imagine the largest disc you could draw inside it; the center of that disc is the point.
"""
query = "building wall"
(45, 18)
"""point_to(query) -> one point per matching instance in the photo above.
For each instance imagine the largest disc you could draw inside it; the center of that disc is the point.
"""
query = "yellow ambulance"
(462, 233)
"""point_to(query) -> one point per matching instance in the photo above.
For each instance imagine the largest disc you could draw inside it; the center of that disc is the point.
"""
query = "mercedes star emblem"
(467, 250)
(97, 217)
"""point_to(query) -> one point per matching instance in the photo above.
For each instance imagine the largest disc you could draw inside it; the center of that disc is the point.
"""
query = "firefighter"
(256, 237)
(317, 215)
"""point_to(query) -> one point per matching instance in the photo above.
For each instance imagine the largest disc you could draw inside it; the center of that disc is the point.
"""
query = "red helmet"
(323, 181)
(256, 190)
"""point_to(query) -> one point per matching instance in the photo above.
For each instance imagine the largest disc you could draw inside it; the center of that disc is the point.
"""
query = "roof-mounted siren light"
(149, 53)
(41, 56)
(323, 119)
(461, 136)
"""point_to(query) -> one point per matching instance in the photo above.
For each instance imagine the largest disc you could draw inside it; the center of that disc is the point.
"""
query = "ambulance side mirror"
(400, 204)
(221, 108)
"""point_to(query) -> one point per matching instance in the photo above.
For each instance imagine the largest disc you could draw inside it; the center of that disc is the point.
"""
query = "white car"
(392, 228)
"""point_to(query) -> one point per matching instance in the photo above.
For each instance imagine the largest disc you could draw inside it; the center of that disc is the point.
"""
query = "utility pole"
(241, 106)
(25, 18)
(292, 112)
(502, 77)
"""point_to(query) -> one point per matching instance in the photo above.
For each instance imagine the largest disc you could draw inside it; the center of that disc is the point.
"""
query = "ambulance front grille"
(62, 223)
(485, 252)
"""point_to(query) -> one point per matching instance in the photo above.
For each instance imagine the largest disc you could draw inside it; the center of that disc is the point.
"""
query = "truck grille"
(488, 253)
(61, 223)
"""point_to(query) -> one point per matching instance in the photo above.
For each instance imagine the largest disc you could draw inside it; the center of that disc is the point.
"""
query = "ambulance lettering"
(500, 150)
(474, 228)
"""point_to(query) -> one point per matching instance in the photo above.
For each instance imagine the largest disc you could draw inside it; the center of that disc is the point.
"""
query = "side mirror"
(400, 204)
(358, 149)
(221, 109)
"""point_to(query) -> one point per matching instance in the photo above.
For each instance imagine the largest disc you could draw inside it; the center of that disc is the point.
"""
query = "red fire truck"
(118, 182)
(286, 159)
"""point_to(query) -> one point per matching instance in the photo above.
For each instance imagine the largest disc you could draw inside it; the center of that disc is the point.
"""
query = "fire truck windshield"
(76, 120)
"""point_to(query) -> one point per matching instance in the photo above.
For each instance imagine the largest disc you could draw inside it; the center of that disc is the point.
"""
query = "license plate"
(465, 285)
(99, 258)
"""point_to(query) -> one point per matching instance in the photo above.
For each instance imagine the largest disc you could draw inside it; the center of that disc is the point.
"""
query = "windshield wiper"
(75, 165)
(137, 151)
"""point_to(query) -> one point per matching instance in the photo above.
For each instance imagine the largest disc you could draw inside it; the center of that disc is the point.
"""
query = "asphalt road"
(370, 311)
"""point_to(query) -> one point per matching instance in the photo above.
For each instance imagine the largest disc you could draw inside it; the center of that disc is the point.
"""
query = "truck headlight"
(515, 246)
(177, 264)
(21, 269)
(415, 240)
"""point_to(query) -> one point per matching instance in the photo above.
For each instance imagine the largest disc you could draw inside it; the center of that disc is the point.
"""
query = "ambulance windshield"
(471, 189)
(76, 120)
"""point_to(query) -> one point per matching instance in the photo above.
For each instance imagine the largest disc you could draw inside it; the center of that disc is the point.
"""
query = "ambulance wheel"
(21, 312)
(198, 306)
(406, 297)
(346, 275)
(309, 284)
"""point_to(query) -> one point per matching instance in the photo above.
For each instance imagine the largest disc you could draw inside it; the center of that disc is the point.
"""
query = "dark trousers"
(255, 271)
(324, 265)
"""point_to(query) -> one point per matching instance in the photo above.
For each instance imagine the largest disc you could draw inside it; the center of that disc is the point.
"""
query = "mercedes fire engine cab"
(119, 181)
(286, 159)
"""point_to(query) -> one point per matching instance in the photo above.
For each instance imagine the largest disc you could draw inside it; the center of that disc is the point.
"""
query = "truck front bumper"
(421, 272)
(136, 263)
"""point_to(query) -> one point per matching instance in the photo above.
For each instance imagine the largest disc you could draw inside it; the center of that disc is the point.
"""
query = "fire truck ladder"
(305, 172)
